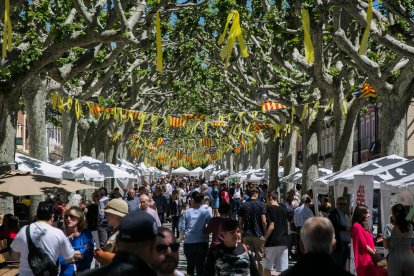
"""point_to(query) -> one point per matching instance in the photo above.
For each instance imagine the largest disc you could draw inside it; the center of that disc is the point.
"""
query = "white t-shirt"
(45, 236)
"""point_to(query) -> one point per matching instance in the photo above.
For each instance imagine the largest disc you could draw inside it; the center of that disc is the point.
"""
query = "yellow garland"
(330, 105)
(159, 46)
(78, 109)
(235, 32)
(364, 42)
(309, 52)
(7, 30)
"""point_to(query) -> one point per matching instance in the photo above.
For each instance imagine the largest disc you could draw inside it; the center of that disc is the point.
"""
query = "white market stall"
(197, 172)
(296, 177)
(208, 171)
(36, 166)
(180, 171)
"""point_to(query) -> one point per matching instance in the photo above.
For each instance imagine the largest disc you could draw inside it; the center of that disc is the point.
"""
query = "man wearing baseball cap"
(136, 240)
(114, 210)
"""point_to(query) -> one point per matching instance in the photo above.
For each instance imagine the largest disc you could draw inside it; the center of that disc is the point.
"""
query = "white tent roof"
(297, 176)
(180, 170)
(89, 168)
(346, 177)
(210, 167)
(128, 166)
(30, 164)
(198, 169)
(196, 172)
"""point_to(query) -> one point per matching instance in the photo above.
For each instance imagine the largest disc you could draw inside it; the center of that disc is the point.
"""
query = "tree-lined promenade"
(105, 52)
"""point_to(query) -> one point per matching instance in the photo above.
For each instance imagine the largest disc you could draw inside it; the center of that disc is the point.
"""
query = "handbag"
(39, 260)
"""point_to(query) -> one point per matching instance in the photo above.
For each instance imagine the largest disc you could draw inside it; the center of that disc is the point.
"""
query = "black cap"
(137, 226)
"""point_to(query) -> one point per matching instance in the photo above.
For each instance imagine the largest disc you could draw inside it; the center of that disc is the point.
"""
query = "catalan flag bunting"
(177, 121)
(218, 124)
(260, 127)
(367, 92)
(160, 141)
(269, 105)
(192, 116)
(205, 142)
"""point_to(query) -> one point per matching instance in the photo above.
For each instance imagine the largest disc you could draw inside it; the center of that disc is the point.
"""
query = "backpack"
(39, 260)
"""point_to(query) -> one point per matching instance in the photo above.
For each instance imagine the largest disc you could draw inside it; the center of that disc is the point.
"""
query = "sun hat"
(117, 207)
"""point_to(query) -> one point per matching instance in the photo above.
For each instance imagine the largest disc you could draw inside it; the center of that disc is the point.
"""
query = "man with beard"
(165, 259)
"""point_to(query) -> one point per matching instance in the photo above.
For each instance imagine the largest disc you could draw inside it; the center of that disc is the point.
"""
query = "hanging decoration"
(329, 106)
(176, 121)
(235, 32)
(364, 42)
(159, 45)
(309, 52)
(304, 112)
(206, 142)
(367, 92)
(7, 30)
(269, 105)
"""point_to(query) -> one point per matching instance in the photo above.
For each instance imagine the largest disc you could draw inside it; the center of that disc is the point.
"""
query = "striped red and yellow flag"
(135, 137)
(180, 154)
(236, 150)
(217, 124)
(192, 116)
(152, 147)
(368, 91)
(269, 105)
(260, 127)
(206, 142)
(177, 122)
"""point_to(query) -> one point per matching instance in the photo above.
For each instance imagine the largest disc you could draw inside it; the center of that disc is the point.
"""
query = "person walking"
(115, 210)
(276, 237)
(166, 253)
(302, 213)
(145, 206)
(81, 240)
(342, 225)
(192, 225)
(161, 203)
(252, 220)
(136, 240)
(52, 240)
(175, 212)
(132, 200)
(399, 241)
(214, 225)
(230, 257)
(365, 256)
(318, 240)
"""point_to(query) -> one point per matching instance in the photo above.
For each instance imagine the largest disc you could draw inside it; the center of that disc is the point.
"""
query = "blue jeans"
(196, 254)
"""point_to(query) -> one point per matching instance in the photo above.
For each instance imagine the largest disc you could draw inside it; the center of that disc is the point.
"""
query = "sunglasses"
(162, 248)
(72, 217)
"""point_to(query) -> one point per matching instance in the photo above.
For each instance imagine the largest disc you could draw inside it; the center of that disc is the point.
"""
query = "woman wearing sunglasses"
(81, 240)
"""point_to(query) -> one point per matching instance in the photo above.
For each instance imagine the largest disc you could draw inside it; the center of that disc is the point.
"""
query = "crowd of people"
(252, 232)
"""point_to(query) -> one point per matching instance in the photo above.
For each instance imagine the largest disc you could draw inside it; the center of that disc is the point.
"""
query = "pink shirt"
(360, 239)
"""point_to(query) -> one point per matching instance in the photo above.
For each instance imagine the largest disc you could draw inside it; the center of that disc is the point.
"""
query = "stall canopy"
(197, 172)
(88, 168)
(36, 166)
(128, 166)
(181, 171)
(345, 178)
(296, 177)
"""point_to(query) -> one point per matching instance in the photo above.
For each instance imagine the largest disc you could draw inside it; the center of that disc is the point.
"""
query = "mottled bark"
(35, 102)
(229, 161)
(8, 124)
(274, 182)
(264, 157)
(311, 126)
(290, 152)
(69, 137)
(255, 156)
(393, 125)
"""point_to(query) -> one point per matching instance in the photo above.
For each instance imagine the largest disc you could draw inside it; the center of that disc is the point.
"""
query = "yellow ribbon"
(54, 99)
(315, 110)
(309, 52)
(78, 109)
(304, 112)
(235, 32)
(141, 124)
(293, 114)
(159, 45)
(7, 30)
(364, 42)
(344, 108)
(329, 105)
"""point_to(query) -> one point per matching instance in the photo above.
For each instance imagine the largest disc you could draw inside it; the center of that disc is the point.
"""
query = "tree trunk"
(35, 102)
(255, 156)
(274, 164)
(393, 126)
(69, 136)
(344, 132)
(8, 124)
(229, 161)
(290, 152)
(311, 126)
(245, 159)
(264, 157)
